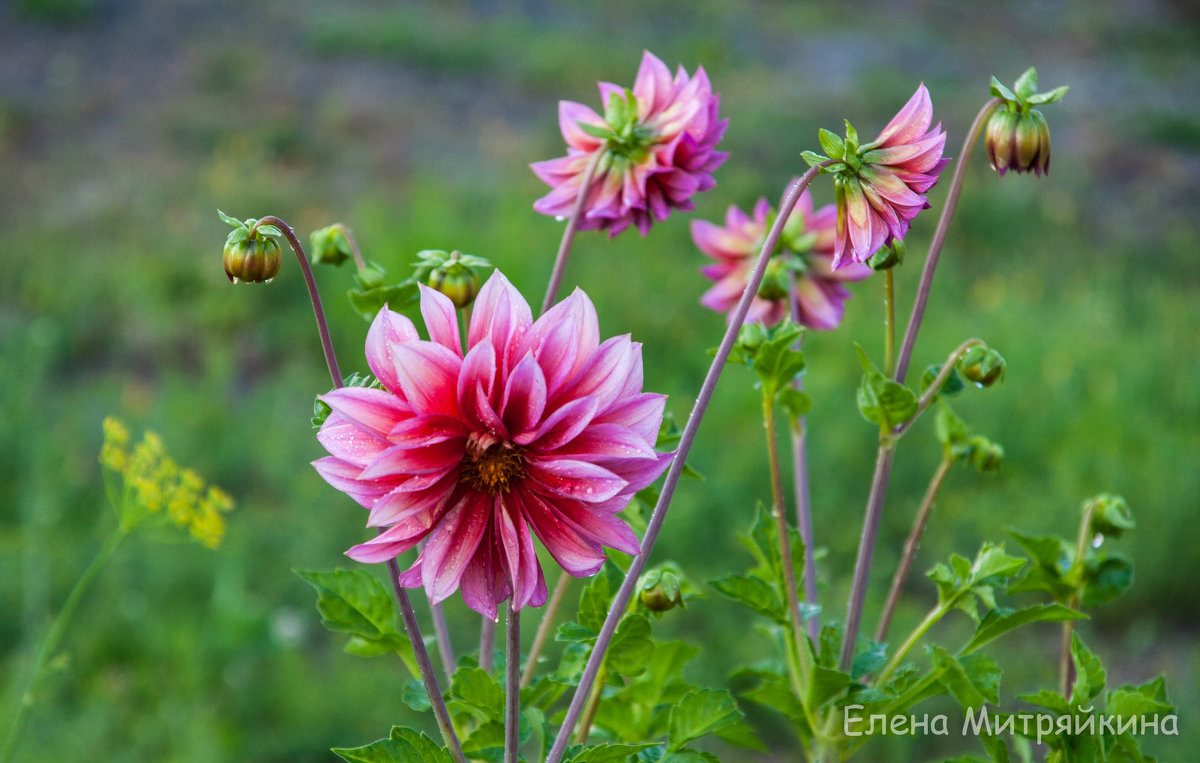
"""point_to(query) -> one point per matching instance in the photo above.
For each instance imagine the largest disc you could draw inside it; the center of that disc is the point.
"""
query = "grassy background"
(124, 125)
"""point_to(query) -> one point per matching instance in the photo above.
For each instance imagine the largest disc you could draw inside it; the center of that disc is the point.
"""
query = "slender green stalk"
(544, 626)
(50, 642)
(804, 519)
(512, 689)
(675, 471)
(939, 238)
(935, 614)
(564, 247)
(314, 296)
(593, 704)
(1066, 664)
(785, 547)
(911, 544)
(889, 321)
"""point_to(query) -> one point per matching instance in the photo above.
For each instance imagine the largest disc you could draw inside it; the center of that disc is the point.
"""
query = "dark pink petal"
(574, 479)
(373, 410)
(606, 441)
(562, 425)
(388, 544)
(483, 580)
(418, 431)
(641, 413)
(576, 552)
(400, 505)
(911, 122)
(604, 375)
(520, 557)
(476, 382)
(640, 472)
(349, 442)
(821, 303)
(428, 375)
(502, 315)
(386, 330)
(344, 477)
(441, 319)
(452, 543)
(601, 527)
(524, 397)
(430, 459)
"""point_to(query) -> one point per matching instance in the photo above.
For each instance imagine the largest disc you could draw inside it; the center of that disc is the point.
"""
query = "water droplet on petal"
(560, 218)
(1098, 540)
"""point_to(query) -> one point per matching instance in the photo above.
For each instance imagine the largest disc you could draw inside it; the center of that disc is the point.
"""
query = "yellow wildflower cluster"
(153, 482)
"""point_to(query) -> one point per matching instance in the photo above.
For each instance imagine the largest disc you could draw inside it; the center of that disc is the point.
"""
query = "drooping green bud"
(251, 258)
(777, 280)
(329, 245)
(660, 590)
(982, 365)
(888, 256)
(1110, 515)
(1018, 136)
(985, 455)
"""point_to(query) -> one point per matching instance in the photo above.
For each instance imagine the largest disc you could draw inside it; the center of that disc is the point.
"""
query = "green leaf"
(356, 603)
(605, 753)
(368, 302)
(795, 403)
(881, 400)
(575, 633)
(702, 712)
(755, 593)
(1126, 702)
(869, 659)
(403, 746)
(1051, 700)
(596, 131)
(415, 696)
(812, 158)
(689, 756)
(1026, 84)
(233, 222)
(972, 680)
(1089, 673)
(1001, 621)
(776, 360)
(486, 742)
(827, 684)
(993, 566)
(1111, 515)
(832, 144)
(830, 645)
(1000, 91)
(1107, 578)
(1050, 96)
(631, 648)
(267, 231)
(478, 691)
(597, 595)
(951, 431)
(951, 387)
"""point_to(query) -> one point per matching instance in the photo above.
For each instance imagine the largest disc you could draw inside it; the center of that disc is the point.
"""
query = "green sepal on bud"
(451, 274)
(250, 258)
(982, 365)
(662, 589)
(888, 256)
(329, 245)
(1017, 135)
(1110, 515)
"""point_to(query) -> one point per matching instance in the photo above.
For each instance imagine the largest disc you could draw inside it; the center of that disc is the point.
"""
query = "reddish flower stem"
(621, 601)
(355, 252)
(939, 238)
(487, 643)
(564, 247)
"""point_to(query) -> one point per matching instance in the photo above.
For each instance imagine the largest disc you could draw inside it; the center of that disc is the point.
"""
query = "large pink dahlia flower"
(883, 185)
(805, 252)
(654, 147)
(539, 429)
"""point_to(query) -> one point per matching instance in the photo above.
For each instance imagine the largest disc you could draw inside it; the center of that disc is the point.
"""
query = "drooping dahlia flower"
(805, 250)
(655, 146)
(883, 184)
(539, 429)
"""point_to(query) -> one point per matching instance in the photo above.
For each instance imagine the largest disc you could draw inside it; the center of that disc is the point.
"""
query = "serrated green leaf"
(753, 592)
(794, 402)
(701, 712)
(992, 565)
(881, 400)
(631, 648)
(403, 746)
(951, 431)
(827, 684)
(954, 677)
(480, 691)
(605, 753)
(415, 696)
(486, 742)
(1001, 621)
(1090, 675)
(1126, 702)
(869, 659)
(1050, 700)
(1107, 578)
(575, 633)
(352, 601)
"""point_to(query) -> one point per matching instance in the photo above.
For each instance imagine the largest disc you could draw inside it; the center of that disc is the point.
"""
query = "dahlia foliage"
(804, 256)
(654, 148)
(538, 429)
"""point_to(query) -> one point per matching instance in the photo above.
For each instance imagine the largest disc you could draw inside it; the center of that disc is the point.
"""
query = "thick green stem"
(50, 642)
(911, 544)
(687, 437)
(939, 238)
(568, 237)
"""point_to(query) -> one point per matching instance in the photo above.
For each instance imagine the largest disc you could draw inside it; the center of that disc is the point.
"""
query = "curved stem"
(625, 593)
(911, 544)
(355, 252)
(866, 551)
(423, 663)
(564, 247)
(937, 613)
(939, 238)
(543, 631)
(512, 690)
(58, 629)
(322, 327)
(935, 387)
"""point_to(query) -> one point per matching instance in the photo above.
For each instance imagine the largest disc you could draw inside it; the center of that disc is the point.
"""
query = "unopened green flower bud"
(329, 246)
(456, 280)
(660, 591)
(888, 256)
(254, 260)
(1000, 139)
(1110, 515)
(985, 455)
(1018, 137)
(982, 365)
(371, 276)
(777, 280)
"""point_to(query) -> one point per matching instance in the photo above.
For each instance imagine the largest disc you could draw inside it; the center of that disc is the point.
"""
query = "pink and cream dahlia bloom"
(883, 186)
(539, 428)
(654, 148)
(805, 252)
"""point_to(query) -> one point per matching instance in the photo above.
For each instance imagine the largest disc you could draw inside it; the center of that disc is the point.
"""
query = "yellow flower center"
(492, 469)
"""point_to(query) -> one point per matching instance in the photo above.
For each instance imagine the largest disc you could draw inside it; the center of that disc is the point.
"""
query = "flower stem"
(866, 551)
(564, 247)
(313, 295)
(889, 321)
(937, 613)
(442, 634)
(939, 238)
(625, 593)
(487, 643)
(426, 667)
(512, 689)
(804, 519)
(911, 544)
(936, 386)
(1066, 663)
(58, 629)
(593, 704)
(785, 546)
(355, 252)
(543, 631)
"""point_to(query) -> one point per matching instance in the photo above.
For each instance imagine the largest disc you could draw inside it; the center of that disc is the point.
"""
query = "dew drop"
(560, 218)
(236, 280)
(1098, 540)
(269, 280)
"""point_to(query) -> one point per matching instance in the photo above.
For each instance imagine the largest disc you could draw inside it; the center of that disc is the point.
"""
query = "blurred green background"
(125, 124)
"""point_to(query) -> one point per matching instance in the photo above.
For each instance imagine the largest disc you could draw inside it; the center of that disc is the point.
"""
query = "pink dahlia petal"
(524, 397)
(350, 442)
(452, 543)
(910, 122)
(482, 586)
(563, 425)
(502, 315)
(579, 480)
(346, 477)
(441, 319)
(577, 553)
(428, 375)
(373, 410)
(386, 330)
